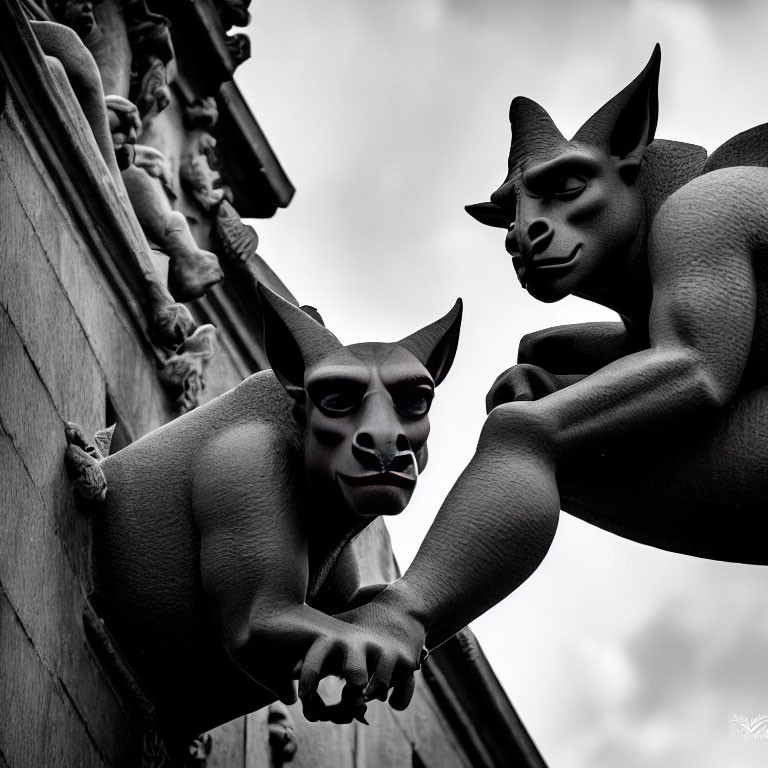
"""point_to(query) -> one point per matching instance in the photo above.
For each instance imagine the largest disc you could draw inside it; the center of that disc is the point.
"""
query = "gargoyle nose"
(540, 233)
(382, 453)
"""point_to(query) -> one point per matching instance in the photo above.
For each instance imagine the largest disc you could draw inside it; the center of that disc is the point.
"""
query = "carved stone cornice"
(206, 58)
(252, 170)
(199, 37)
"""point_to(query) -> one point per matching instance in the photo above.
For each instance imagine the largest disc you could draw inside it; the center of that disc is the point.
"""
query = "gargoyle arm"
(581, 348)
(341, 585)
(701, 324)
(554, 358)
(253, 557)
(701, 330)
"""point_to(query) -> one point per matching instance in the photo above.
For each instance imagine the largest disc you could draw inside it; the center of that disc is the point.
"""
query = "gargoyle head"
(570, 207)
(76, 14)
(365, 406)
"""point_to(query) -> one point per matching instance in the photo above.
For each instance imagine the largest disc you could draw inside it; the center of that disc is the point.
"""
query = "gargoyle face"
(568, 216)
(571, 207)
(77, 15)
(365, 406)
(366, 426)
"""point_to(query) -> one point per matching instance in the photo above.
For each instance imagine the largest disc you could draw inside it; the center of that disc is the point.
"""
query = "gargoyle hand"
(521, 382)
(381, 650)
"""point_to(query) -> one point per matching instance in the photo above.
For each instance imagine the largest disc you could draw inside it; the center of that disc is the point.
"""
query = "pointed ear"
(532, 126)
(626, 124)
(489, 214)
(293, 340)
(534, 134)
(435, 345)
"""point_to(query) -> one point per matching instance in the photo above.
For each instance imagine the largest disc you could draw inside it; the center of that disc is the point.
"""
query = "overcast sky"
(389, 117)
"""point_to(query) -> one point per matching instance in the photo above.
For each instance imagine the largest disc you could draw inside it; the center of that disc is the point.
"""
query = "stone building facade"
(89, 333)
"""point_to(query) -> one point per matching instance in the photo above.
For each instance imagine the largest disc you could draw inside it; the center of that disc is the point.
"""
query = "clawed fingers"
(378, 685)
(328, 657)
(397, 674)
(402, 692)
(506, 389)
(352, 706)
(318, 663)
(369, 670)
(314, 707)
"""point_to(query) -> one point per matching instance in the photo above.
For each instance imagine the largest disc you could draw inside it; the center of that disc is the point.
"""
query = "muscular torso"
(147, 551)
(708, 256)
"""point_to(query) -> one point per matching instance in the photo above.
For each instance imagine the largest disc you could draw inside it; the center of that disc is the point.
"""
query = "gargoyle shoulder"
(709, 230)
(723, 200)
(240, 470)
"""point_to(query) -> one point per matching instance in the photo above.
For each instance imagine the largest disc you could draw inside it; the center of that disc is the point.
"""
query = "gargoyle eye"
(336, 398)
(569, 187)
(338, 403)
(413, 402)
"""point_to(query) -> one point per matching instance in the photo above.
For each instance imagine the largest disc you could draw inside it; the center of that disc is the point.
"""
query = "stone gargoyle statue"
(654, 428)
(220, 542)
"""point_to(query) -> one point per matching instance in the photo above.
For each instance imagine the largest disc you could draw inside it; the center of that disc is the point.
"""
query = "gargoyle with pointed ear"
(655, 428)
(220, 550)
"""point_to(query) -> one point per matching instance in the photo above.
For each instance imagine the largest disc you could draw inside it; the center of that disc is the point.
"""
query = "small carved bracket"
(184, 372)
(199, 751)
(82, 460)
(282, 735)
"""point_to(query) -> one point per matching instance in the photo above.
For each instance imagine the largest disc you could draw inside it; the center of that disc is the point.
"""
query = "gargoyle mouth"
(544, 260)
(541, 263)
(397, 479)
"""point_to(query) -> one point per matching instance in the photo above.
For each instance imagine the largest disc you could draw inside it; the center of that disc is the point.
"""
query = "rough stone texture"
(229, 745)
(60, 331)
(55, 271)
(46, 729)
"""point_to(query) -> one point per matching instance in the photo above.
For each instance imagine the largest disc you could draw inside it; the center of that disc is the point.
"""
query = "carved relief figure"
(655, 427)
(234, 240)
(77, 14)
(77, 77)
(134, 54)
(220, 549)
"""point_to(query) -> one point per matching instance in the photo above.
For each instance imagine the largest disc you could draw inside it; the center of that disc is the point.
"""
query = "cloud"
(694, 664)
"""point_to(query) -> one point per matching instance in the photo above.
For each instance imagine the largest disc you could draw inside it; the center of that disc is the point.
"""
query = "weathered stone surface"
(383, 744)
(229, 745)
(39, 582)
(55, 270)
(45, 728)
(319, 746)
(433, 738)
(257, 752)
(29, 418)
(43, 543)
